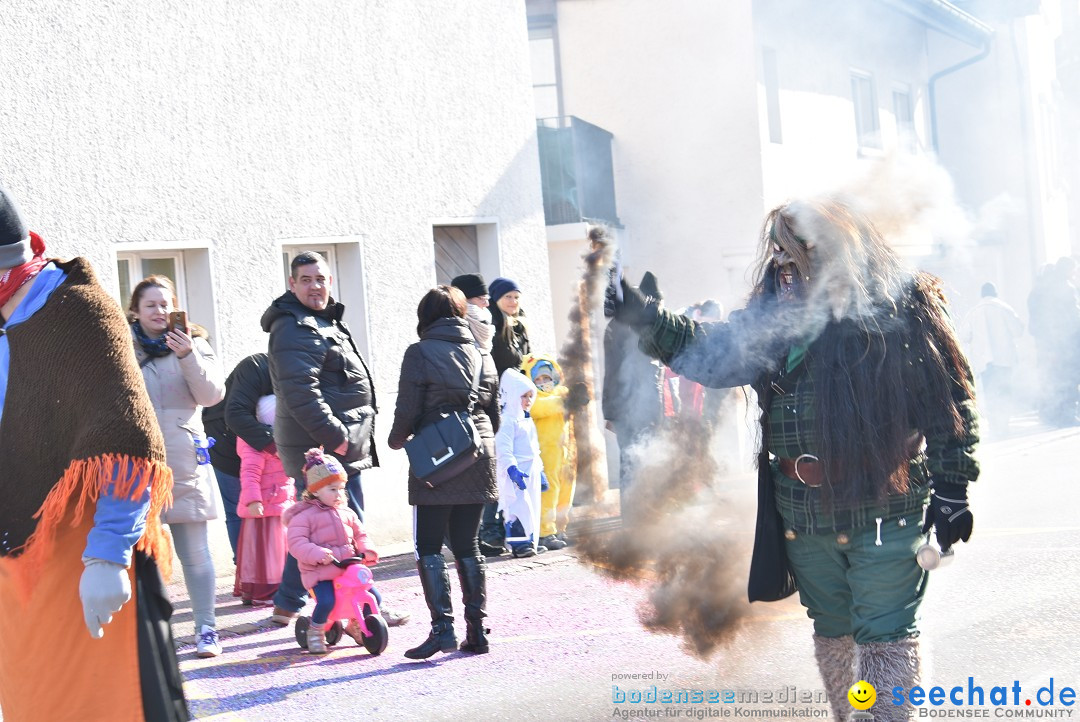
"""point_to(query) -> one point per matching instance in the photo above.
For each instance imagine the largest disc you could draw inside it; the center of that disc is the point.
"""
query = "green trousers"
(852, 586)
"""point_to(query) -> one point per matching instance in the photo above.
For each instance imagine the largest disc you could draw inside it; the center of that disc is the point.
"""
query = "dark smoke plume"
(675, 532)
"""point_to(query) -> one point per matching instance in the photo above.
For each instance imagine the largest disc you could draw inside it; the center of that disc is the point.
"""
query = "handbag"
(443, 448)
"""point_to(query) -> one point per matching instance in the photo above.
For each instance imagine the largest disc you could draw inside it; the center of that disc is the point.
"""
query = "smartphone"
(178, 321)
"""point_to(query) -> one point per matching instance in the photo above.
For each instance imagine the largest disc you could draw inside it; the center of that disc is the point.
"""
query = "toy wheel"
(380, 635)
(333, 633)
(302, 624)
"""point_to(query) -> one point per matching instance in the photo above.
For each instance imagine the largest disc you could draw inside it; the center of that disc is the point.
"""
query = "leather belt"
(807, 469)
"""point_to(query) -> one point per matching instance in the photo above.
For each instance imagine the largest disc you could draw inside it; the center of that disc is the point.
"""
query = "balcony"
(576, 172)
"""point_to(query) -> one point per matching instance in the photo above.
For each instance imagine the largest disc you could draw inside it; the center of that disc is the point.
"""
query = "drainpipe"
(931, 94)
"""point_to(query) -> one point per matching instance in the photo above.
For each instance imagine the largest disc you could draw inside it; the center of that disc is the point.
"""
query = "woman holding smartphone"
(182, 375)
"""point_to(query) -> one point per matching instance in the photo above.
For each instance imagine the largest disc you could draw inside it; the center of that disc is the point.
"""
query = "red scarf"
(16, 277)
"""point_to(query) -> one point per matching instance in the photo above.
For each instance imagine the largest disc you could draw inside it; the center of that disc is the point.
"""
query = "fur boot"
(886, 665)
(316, 639)
(836, 662)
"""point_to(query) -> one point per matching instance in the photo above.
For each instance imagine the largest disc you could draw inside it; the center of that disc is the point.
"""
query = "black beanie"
(471, 284)
(12, 228)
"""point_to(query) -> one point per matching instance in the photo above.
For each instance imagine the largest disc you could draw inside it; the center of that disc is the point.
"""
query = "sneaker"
(489, 550)
(282, 617)
(208, 645)
(524, 551)
(392, 617)
(552, 542)
(561, 536)
(540, 548)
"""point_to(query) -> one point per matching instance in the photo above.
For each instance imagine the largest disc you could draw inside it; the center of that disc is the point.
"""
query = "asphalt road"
(564, 633)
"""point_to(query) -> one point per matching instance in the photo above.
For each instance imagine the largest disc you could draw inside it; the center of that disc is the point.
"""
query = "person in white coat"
(182, 375)
(519, 470)
(989, 334)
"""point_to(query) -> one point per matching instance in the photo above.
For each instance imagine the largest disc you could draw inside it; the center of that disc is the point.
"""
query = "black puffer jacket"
(235, 414)
(436, 373)
(324, 390)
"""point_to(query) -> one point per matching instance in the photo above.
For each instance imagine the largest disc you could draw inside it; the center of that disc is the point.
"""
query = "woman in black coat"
(437, 374)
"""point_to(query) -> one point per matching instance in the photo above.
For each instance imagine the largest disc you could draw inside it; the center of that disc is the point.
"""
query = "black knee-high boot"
(436, 582)
(472, 573)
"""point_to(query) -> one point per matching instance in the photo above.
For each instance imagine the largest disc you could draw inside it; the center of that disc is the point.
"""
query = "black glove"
(635, 309)
(578, 396)
(949, 515)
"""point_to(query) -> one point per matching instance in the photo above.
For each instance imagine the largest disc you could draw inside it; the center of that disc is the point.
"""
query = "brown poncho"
(76, 408)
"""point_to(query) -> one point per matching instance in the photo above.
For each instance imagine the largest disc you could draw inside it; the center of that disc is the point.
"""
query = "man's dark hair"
(440, 302)
(989, 290)
(305, 259)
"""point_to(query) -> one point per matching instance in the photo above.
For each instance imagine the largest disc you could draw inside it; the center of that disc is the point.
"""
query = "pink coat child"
(266, 493)
(316, 528)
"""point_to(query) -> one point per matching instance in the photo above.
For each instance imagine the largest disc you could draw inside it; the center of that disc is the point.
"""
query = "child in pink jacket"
(322, 528)
(265, 494)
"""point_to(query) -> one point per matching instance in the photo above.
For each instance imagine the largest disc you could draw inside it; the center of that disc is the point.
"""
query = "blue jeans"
(230, 497)
(291, 595)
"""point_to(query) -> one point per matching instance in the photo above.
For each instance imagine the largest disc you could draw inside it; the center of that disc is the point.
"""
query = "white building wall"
(238, 128)
(818, 44)
(665, 79)
(999, 127)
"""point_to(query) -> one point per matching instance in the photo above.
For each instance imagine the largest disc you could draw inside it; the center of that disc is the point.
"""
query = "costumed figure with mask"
(84, 483)
(867, 417)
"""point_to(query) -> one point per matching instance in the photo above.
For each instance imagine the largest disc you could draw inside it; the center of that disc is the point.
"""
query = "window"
(867, 130)
(187, 266)
(326, 251)
(904, 112)
(466, 245)
(134, 267)
(456, 252)
(545, 73)
(344, 255)
(772, 94)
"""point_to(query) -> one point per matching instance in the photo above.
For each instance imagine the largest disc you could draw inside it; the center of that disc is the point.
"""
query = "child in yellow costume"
(550, 413)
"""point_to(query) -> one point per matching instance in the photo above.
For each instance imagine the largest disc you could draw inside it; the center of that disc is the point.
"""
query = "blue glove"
(544, 485)
(517, 477)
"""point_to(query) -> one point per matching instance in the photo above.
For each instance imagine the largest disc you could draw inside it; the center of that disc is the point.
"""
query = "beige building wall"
(225, 133)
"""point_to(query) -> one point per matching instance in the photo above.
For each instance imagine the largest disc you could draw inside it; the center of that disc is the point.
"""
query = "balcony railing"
(576, 172)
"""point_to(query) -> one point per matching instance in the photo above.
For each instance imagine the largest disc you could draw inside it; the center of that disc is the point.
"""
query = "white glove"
(103, 589)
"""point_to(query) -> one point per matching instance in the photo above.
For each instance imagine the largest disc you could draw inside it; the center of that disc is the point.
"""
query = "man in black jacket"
(235, 416)
(325, 396)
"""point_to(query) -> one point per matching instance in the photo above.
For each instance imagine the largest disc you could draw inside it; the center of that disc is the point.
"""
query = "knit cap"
(470, 284)
(500, 287)
(321, 470)
(14, 237)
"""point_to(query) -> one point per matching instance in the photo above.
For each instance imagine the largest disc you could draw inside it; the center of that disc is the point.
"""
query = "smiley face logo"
(862, 695)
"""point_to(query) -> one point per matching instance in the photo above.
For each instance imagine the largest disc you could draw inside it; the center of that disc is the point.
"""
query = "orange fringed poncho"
(76, 407)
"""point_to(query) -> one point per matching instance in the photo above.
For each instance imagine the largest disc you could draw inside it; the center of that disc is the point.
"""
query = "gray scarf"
(480, 324)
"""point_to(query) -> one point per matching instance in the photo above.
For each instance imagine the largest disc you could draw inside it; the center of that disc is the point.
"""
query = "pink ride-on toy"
(352, 600)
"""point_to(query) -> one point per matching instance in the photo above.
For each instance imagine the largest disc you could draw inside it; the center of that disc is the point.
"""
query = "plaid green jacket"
(735, 353)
